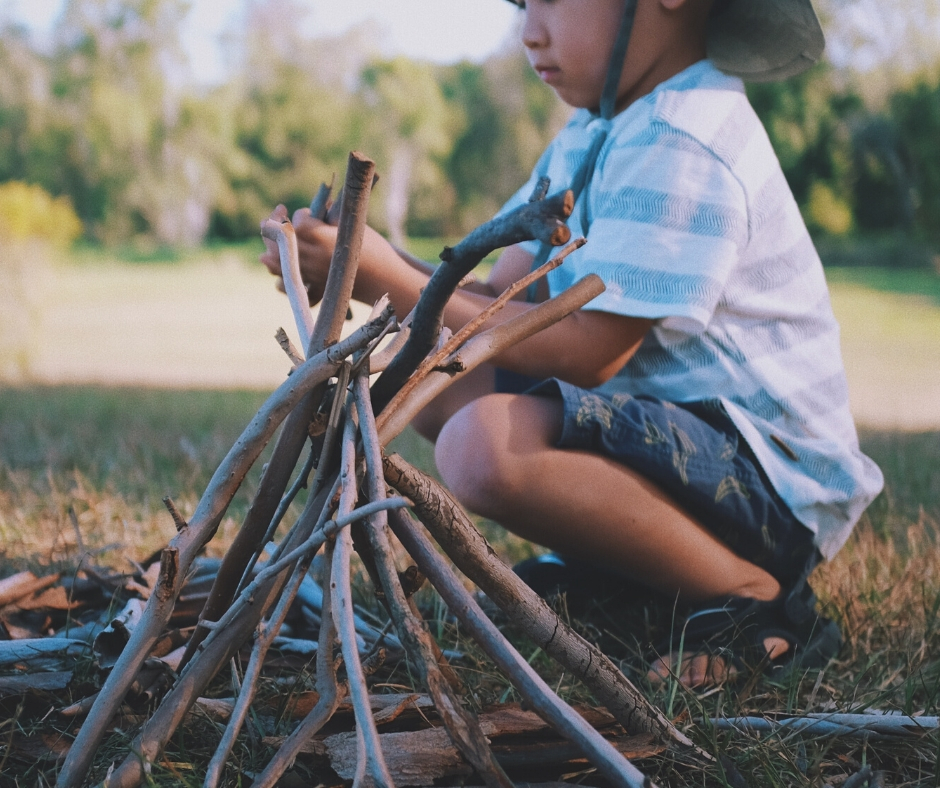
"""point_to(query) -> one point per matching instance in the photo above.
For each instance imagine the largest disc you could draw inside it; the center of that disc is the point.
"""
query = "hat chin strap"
(607, 110)
(617, 59)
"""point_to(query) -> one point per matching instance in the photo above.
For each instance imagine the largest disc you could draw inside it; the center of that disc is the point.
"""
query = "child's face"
(569, 44)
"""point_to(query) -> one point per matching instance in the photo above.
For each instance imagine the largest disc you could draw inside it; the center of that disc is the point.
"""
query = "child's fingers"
(301, 215)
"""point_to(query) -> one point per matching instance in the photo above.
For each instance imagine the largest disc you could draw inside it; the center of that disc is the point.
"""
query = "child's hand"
(315, 242)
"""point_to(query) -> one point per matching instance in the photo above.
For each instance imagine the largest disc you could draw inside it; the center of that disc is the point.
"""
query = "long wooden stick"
(538, 695)
(462, 727)
(542, 219)
(282, 233)
(327, 330)
(451, 346)
(371, 764)
(327, 689)
(485, 346)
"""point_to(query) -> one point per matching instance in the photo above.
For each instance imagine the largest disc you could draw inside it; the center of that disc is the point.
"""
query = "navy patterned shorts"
(694, 453)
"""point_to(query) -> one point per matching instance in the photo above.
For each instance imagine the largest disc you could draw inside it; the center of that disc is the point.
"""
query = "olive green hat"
(764, 40)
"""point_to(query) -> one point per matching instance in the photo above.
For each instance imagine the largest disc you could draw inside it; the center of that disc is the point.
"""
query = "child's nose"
(533, 32)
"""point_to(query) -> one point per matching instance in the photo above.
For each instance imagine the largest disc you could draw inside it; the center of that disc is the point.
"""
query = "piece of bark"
(31, 649)
(421, 757)
(22, 584)
(55, 681)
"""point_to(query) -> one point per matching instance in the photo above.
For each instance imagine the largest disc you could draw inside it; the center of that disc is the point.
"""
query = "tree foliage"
(109, 117)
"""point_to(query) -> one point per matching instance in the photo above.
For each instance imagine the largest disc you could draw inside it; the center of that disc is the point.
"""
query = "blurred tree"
(288, 110)
(409, 129)
(129, 150)
(808, 122)
(916, 112)
(509, 118)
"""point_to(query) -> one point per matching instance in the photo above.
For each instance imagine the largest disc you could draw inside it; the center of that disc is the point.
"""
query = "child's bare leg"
(473, 385)
(498, 456)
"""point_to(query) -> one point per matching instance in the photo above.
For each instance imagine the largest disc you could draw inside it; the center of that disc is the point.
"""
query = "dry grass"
(112, 453)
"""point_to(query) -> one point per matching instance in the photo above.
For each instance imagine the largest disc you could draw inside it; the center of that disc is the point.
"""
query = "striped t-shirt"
(690, 222)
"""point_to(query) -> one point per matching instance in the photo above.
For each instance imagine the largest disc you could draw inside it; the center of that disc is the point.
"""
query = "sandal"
(735, 628)
(582, 583)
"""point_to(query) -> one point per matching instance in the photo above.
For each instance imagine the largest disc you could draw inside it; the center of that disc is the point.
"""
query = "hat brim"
(765, 40)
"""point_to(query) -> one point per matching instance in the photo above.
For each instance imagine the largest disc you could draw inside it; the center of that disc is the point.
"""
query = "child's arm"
(586, 348)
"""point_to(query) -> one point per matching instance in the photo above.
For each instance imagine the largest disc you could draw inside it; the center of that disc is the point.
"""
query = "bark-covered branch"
(543, 220)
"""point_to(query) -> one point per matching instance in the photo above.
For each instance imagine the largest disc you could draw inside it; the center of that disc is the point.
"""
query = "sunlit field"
(130, 382)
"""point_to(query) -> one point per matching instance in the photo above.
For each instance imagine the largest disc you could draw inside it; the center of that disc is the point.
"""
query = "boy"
(692, 430)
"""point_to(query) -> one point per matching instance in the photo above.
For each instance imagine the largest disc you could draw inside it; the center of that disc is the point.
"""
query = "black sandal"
(735, 628)
(581, 582)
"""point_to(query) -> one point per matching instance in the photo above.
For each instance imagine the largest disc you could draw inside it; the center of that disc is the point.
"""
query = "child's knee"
(471, 455)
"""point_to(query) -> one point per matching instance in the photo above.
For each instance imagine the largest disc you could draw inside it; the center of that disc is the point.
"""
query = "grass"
(111, 452)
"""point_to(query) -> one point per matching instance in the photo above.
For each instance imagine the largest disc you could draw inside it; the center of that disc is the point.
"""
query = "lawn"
(135, 380)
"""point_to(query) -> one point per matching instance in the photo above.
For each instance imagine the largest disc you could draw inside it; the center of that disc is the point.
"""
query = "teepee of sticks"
(358, 493)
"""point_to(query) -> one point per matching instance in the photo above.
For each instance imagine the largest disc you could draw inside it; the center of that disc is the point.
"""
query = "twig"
(371, 764)
(321, 200)
(178, 520)
(471, 553)
(290, 443)
(267, 631)
(543, 219)
(451, 345)
(296, 359)
(12, 651)
(873, 726)
(536, 692)
(284, 235)
(462, 727)
(329, 441)
(327, 689)
(485, 346)
(345, 262)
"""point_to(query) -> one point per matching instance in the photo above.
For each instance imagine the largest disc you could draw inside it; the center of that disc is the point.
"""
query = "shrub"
(29, 211)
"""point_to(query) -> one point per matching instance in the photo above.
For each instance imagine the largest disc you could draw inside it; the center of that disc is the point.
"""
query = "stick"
(536, 692)
(12, 651)
(462, 727)
(473, 556)
(485, 346)
(186, 545)
(543, 219)
(327, 329)
(450, 347)
(874, 726)
(284, 235)
(327, 689)
(370, 763)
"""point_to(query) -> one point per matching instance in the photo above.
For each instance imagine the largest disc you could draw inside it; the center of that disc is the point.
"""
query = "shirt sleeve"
(666, 222)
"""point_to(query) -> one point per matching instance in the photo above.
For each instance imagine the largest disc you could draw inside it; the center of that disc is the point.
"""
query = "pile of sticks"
(356, 496)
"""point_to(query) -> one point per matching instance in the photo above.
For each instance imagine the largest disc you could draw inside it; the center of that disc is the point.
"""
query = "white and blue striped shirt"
(690, 221)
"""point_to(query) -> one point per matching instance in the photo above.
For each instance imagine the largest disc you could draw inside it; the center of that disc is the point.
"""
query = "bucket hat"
(763, 40)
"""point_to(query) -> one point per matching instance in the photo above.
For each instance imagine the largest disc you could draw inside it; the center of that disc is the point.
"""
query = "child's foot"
(728, 636)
